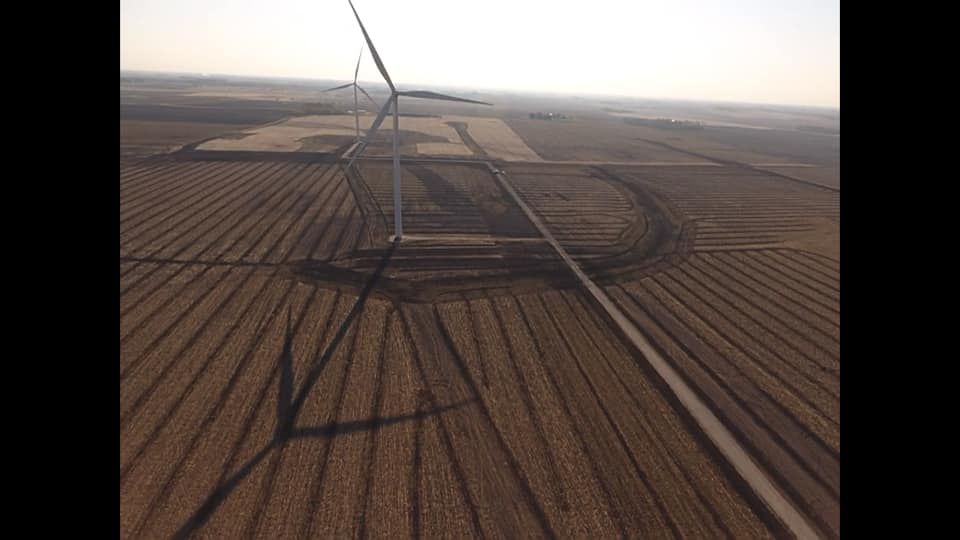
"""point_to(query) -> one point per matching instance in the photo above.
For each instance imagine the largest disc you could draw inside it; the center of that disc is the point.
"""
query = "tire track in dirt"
(772, 297)
(162, 181)
(149, 406)
(763, 443)
(184, 313)
(474, 333)
(233, 518)
(828, 287)
(135, 311)
(203, 308)
(213, 206)
(785, 284)
(480, 444)
(798, 262)
(262, 237)
(210, 214)
(778, 320)
(315, 243)
(652, 469)
(583, 427)
(391, 507)
(174, 189)
(654, 411)
(809, 396)
(163, 283)
(287, 250)
(245, 182)
(136, 525)
(717, 433)
(544, 344)
(363, 509)
(133, 177)
(185, 488)
(156, 357)
(512, 409)
(165, 191)
(251, 427)
(438, 513)
(804, 432)
(826, 313)
(316, 486)
(248, 217)
(534, 413)
(748, 330)
(828, 262)
(828, 267)
(307, 209)
(344, 226)
(337, 494)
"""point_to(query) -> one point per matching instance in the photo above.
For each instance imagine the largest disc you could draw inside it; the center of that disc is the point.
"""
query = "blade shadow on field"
(289, 406)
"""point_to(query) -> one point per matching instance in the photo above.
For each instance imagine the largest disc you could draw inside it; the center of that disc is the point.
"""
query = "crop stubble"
(497, 415)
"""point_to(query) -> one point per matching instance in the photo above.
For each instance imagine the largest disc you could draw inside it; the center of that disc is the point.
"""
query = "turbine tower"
(356, 103)
(394, 100)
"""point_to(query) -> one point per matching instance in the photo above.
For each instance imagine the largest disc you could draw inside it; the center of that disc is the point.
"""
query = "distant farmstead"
(547, 116)
(665, 123)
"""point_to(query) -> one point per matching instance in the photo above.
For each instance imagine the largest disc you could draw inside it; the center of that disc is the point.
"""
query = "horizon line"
(568, 94)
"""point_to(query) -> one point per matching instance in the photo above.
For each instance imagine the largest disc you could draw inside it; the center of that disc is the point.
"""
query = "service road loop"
(724, 441)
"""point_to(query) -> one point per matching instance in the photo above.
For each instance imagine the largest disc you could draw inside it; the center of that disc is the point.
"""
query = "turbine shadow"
(327, 431)
(289, 406)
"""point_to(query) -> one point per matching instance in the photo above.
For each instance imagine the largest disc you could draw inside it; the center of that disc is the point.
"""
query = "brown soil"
(286, 372)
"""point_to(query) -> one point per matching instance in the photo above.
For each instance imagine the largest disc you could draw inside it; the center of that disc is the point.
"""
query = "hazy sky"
(763, 51)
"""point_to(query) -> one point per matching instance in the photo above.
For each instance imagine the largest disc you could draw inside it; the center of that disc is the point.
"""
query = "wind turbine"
(356, 103)
(394, 99)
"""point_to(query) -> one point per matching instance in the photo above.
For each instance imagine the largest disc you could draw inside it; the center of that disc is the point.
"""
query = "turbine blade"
(348, 85)
(370, 132)
(424, 94)
(357, 71)
(375, 104)
(377, 121)
(373, 50)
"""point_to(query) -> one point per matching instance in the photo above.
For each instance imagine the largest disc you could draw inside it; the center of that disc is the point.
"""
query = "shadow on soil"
(288, 407)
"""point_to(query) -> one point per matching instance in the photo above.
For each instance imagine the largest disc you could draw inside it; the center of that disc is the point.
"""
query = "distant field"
(589, 139)
(147, 137)
(264, 394)
(288, 371)
(778, 117)
(436, 135)
(158, 124)
(202, 114)
(496, 138)
(823, 150)
(828, 176)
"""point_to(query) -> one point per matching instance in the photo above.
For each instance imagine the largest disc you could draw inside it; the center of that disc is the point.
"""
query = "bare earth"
(286, 371)
(496, 138)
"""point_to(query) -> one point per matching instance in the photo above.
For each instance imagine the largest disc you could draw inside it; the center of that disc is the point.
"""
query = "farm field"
(446, 135)
(288, 371)
(827, 176)
(142, 138)
(610, 138)
(752, 317)
(591, 139)
(495, 412)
